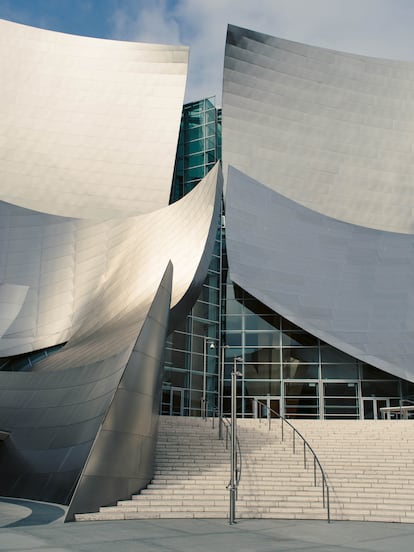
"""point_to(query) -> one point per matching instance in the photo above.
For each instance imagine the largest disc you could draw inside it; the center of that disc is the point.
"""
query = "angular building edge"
(122, 456)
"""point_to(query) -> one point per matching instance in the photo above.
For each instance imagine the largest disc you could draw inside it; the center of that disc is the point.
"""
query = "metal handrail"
(227, 425)
(306, 445)
(239, 463)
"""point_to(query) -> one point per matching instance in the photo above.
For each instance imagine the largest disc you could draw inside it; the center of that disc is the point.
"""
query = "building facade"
(302, 268)
(294, 372)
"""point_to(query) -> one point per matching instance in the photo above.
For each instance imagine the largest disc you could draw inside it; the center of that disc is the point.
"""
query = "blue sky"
(372, 27)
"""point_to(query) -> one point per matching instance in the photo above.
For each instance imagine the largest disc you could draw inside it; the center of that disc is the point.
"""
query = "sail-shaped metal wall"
(90, 255)
(320, 191)
(330, 130)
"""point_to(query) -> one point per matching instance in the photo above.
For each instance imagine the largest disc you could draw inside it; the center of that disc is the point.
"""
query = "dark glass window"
(298, 338)
(301, 371)
(296, 355)
(262, 339)
(261, 371)
(380, 389)
(340, 389)
(298, 389)
(340, 371)
(369, 372)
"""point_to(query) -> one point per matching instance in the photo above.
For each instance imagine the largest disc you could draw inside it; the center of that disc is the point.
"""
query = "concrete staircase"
(369, 467)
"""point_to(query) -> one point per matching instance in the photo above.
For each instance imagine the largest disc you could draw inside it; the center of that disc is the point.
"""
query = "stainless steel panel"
(349, 285)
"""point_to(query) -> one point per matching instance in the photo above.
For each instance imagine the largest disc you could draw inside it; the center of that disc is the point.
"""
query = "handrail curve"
(239, 463)
(316, 462)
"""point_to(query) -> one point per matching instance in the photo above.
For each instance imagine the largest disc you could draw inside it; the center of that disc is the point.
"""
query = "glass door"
(341, 400)
(172, 401)
(262, 407)
(372, 407)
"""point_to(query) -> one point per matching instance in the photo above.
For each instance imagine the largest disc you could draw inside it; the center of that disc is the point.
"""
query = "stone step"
(368, 465)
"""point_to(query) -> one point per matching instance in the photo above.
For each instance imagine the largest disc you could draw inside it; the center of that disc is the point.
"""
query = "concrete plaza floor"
(26, 525)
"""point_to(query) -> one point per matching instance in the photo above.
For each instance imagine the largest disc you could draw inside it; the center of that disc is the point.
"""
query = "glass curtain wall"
(191, 353)
(287, 370)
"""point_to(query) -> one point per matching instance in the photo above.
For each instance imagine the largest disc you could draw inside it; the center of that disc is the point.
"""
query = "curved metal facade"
(330, 130)
(55, 412)
(83, 122)
(320, 194)
(348, 285)
(91, 255)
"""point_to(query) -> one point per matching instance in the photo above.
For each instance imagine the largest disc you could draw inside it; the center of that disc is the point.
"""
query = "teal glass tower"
(192, 350)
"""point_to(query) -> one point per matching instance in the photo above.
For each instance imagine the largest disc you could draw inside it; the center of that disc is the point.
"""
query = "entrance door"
(172, 401)
(262, 407)
(341, 399)
(372, 407)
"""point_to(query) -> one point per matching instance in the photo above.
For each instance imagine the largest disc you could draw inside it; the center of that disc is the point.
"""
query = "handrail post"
(221, 395)
(328, 503)
(233, 453)
(323, 492)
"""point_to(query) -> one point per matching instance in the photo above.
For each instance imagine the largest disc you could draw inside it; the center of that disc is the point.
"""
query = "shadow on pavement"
(23, 513)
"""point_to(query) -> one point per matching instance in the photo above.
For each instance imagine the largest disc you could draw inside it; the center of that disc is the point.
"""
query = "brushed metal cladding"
(122, 456)
(83, 122)
(181, 309)
(348, 285)
(54, 413)
(81, 272)
(330, 130)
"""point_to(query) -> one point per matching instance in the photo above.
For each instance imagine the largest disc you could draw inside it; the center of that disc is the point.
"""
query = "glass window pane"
(194, 160)
(257, 356)
(299, 389)
(296, 355)
(339, 371)
(380, 389)
(211, 156)
(254, 322)
(340, 389)
(210, 116)
(233, 307)
(300, 371)
(233, 323)
(195, 133)
(205, 310)
(195, 173)
(261, 388)
(210, 130)
(210, 143)
(261, 371)
(194, 147)
(234, 339)
(180, 341)
(262, 339)
(298, 338)
(370, 372)
(330, 355)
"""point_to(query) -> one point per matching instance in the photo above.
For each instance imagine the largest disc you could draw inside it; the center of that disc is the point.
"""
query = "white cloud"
(380, 28)
(144, 21)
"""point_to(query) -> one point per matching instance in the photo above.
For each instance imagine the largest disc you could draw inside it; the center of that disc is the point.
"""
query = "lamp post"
(203, 398)
(233, 458)
(221, 391)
